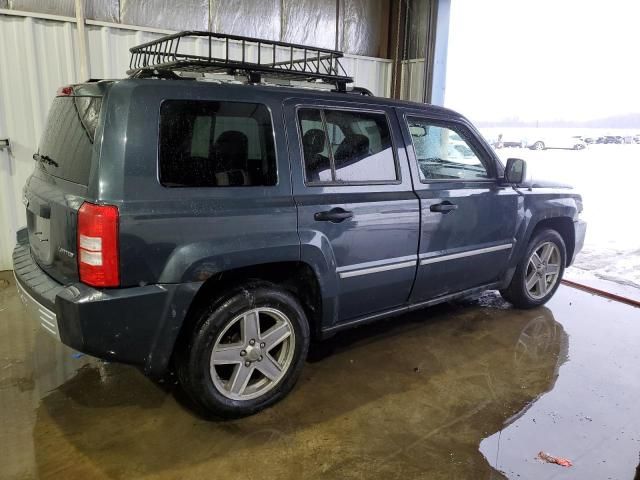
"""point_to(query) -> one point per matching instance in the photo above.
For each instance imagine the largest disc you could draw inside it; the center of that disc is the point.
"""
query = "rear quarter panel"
(179, 235)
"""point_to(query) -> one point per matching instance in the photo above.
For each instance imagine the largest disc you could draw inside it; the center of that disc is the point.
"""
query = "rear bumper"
(46, 318)
(37, 290)
(137, 325)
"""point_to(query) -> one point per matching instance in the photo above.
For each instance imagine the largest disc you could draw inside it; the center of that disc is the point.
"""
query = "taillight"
(98, 259)
(65, 91)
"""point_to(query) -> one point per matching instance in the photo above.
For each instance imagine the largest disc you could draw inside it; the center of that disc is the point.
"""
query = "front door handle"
(444, 207)
(335, 215)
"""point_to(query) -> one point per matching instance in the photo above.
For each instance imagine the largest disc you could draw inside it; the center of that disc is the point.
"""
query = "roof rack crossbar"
(237, 54)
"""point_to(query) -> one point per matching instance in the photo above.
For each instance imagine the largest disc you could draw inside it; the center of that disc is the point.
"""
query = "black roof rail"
(358, 91)
(234, 54)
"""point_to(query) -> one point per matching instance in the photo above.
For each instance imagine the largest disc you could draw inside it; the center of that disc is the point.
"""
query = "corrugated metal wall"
(358, 27)
(38, 55)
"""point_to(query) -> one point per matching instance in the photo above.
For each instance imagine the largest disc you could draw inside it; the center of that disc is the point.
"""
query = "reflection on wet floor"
(458, 391)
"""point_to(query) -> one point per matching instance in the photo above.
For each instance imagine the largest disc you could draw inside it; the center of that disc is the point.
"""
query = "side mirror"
(417, 131)
(515, 171)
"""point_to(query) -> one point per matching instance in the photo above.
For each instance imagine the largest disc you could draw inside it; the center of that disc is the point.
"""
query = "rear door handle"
(444, 207)
(335, 215)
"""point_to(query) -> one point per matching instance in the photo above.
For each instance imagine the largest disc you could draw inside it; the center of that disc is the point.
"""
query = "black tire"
(538, 146)
(194, 356)
(517, 293)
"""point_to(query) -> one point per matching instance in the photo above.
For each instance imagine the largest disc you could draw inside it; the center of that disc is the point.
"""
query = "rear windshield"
(67, 142)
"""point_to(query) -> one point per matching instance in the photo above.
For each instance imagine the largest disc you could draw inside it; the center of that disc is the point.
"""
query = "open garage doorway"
(526, 74)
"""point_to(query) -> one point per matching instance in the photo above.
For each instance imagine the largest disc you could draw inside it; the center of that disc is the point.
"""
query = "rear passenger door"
(358, 217)
(469, 218)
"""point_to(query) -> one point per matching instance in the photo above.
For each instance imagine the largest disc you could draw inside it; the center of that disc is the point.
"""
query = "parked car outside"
(215, 229)
(557, 141)
(509, 142)
(611, 139)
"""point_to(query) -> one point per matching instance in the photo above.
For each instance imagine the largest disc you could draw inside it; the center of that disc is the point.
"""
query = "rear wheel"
(538, 146)
(246, 351)
(538, 275)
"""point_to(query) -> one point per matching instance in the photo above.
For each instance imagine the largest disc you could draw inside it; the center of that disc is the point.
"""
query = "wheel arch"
(296, 277)
(562, 225)
(560, 221)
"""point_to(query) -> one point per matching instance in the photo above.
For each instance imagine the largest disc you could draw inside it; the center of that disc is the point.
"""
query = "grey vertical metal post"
(429, 50)
(439, 73)
(85, 73)
(339, 24)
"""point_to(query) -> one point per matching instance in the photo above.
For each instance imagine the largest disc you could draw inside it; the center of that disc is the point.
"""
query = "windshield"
(67, 142)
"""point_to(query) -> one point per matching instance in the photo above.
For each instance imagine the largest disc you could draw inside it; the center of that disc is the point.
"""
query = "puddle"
(471, 390)
(590, 416)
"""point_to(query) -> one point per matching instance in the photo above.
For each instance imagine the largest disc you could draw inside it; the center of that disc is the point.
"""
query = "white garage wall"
(39, 53)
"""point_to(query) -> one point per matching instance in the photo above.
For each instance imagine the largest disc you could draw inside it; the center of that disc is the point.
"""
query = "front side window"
(443, 154)
(341, 146)
(216, 144)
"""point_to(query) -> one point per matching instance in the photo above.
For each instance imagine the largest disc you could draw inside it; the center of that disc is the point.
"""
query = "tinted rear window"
(216, 144)
(67, 142)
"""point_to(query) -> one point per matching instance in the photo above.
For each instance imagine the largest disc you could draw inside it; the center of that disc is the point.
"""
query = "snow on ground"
(608, 177)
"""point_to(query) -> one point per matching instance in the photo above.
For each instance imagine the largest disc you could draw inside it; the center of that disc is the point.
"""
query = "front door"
(468, 219)
(356, 204)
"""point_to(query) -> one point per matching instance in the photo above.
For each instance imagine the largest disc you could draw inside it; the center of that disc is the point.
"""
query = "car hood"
(536, 182)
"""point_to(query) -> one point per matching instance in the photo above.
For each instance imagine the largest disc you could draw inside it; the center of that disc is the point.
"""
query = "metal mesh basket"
(206, 52)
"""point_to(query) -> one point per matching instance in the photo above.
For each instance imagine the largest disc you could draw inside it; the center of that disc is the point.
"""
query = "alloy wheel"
(543, 270)
(252, 353)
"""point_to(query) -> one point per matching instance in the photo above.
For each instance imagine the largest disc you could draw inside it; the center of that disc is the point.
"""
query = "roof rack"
(232, 54)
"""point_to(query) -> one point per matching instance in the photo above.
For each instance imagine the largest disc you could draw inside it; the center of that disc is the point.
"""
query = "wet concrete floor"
(470, 390)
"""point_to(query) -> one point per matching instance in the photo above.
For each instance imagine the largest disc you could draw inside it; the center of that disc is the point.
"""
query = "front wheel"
(538, 146)
(246, 351)
(538, 274)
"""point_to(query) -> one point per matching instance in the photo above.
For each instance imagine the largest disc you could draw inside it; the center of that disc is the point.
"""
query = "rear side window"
(66, 145)
(216, 144)
(344, 146)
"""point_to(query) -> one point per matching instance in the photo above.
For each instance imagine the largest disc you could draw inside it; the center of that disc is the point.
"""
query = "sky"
(544, 59)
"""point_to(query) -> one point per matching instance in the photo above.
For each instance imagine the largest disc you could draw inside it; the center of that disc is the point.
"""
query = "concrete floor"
(457, 391)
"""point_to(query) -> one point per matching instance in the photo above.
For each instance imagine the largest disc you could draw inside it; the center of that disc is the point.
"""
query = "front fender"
(539, 206)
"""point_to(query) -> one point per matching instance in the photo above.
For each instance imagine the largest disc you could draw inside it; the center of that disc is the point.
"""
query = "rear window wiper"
(45, 159)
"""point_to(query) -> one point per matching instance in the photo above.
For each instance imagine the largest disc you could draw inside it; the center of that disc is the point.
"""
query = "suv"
(215, 228)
